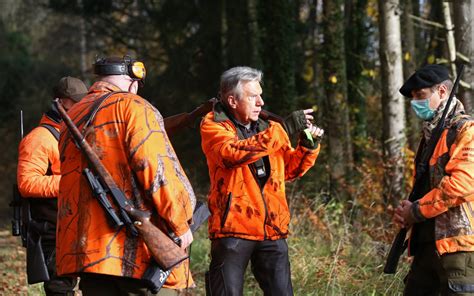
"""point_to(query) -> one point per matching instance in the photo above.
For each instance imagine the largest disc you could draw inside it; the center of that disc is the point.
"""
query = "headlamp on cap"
(121, 66)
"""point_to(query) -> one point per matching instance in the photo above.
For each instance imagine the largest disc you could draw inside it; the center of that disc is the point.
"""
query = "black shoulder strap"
(454, 129)
(53, 131)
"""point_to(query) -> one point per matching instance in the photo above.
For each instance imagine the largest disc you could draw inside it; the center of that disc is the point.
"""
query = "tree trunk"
(239, 52)
(393, 109)
(356, 45)
(83, 42)
(409, 67)
(276, 20)
(254, 42)
(449, 37)
(464, 45)
(336, 109)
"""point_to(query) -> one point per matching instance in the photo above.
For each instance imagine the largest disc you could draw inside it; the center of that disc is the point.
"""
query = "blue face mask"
(422, 109)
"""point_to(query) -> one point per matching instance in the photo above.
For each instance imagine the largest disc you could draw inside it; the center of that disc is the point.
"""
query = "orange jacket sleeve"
(36, 152)
(221, 143)
(157, 169)
(456, 187)
(298, 161)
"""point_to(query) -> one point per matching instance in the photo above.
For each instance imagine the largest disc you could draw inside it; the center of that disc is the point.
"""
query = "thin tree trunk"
(356, 46)
(83, 42)
(393, 108)
(449, 37)
(464, 45)
(254, 41)
(277, 23)
(336, 106)
(409, 67)
(238, 33)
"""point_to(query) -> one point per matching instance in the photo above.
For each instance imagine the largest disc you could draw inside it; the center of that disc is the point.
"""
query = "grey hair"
(448, 83)
(231, 81)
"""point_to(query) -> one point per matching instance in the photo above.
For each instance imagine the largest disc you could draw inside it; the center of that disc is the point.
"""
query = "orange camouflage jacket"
(38, 172)
(451, 199)
(37, 153)
(239, 208)
(128, 135)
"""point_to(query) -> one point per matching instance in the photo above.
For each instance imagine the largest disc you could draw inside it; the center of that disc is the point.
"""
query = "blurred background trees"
(346, 59)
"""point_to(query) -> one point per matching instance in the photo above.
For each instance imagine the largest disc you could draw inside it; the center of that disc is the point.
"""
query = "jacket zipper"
(227, 209)
(266, 213)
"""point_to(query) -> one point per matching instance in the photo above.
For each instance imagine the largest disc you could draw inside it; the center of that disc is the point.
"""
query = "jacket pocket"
(227, 209)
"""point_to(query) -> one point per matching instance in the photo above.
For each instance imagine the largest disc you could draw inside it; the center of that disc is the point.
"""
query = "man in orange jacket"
(441, 221)
(127, 134)
(249, 160)
(38, 178)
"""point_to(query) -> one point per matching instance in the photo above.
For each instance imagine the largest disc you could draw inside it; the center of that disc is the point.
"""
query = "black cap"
(70, 87)
(426, 76)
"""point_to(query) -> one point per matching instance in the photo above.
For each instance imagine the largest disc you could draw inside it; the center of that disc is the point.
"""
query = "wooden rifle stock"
(163, 249)
(419, 188)
(175, 123)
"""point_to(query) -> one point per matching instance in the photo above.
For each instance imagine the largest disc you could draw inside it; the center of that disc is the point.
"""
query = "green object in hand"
(309, 136)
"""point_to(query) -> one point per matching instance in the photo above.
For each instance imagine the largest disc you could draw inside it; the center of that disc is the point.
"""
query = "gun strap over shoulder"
(53, 130)
(95, 108)
(454, 130)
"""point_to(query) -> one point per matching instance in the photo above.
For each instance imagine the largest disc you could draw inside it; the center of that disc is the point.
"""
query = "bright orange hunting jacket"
(36, 152)
(238, 207)
(129, 137)
(451, 201)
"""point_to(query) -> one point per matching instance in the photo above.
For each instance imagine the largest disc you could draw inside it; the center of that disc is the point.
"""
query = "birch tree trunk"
(464, 46)
(336, 108)
(449, 36)
(393, 108)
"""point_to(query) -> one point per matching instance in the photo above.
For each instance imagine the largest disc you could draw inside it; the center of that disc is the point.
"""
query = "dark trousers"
(57, 285)
(431, 274)
(108, 285)
(230, 257)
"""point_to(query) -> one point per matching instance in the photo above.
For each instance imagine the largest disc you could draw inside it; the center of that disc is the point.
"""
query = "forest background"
(345, 58)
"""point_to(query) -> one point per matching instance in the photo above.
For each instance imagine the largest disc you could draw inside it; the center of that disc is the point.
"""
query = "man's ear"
(443, 90)
(232, 102)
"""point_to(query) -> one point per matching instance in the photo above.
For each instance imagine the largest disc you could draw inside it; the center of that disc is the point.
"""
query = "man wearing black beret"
(441, 222)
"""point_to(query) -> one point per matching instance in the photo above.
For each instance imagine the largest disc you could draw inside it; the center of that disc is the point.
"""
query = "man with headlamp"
(127, 134)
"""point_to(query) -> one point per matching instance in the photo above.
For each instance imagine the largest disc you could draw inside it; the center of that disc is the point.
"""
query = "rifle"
(163, 249)
(175, 123)
(30, 231)
(419, 190)
(16, 203)
(154, 277)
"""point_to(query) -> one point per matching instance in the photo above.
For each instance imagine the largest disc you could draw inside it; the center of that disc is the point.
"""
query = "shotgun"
(420, 187)
(163, 249)
(175, 123)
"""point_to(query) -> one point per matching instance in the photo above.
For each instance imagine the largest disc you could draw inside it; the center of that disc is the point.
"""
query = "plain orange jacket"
(451, 201)
(128, 136)
(37, 151)
(238, 207)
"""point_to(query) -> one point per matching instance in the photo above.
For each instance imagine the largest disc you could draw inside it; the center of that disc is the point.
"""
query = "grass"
(329, 256)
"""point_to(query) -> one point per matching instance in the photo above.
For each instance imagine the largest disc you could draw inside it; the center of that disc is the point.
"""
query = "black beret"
(426, 76)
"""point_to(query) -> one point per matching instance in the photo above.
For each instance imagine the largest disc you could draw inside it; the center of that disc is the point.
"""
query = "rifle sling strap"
(52, 130)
